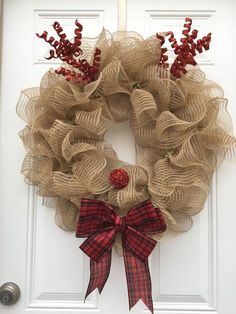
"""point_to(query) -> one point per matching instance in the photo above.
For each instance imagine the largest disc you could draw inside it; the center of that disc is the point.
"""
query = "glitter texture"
(119, 178)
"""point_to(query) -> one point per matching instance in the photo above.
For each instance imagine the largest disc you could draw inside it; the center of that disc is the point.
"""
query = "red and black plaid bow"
(100, 223)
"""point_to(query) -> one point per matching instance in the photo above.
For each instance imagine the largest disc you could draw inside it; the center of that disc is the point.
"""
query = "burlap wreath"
(181, 128)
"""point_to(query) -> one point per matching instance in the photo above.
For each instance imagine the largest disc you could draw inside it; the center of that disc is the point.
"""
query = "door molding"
(1, 22)
(122, 15)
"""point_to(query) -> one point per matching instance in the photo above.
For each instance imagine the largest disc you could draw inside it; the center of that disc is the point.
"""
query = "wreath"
(182, 133)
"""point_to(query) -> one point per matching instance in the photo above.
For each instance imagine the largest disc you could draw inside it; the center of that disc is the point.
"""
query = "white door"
(193, 273)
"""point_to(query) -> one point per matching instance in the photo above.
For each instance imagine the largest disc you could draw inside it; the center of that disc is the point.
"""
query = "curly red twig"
(187, 49)
(69, 52)
(163, 57)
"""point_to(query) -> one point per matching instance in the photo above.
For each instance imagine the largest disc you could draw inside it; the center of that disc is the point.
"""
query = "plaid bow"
(100, 223)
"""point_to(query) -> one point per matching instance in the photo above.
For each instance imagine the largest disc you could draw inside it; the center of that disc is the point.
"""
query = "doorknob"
(9, 293)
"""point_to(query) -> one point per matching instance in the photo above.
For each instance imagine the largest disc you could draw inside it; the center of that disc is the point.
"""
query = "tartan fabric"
(100, 223)
(99, 272)
(138, 281)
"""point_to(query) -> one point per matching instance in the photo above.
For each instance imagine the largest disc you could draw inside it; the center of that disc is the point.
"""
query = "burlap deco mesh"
(181, 129)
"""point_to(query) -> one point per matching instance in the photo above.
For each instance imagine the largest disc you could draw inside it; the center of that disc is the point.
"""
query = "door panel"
(190, 271)
(44, 260)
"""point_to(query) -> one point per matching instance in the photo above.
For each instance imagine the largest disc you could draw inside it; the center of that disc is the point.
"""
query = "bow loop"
(146, 219)
(94, 216)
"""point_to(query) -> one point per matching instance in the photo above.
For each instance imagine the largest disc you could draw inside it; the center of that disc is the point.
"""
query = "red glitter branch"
(69, 52)
(163, 58)
(186, 50)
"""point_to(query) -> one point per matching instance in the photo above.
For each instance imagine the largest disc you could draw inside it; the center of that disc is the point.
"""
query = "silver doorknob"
(9, 293)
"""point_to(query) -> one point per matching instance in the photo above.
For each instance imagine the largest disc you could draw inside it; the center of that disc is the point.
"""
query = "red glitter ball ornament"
(119, 178)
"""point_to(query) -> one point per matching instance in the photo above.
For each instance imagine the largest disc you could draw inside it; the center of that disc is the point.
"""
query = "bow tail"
(138, 280)
(99, 272)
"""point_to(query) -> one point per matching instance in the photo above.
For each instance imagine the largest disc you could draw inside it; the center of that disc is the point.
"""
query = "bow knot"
(120, 224)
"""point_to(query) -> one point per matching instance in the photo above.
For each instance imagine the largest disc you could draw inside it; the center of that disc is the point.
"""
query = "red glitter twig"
(163, 57)
(70, 52)
(186, 50)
